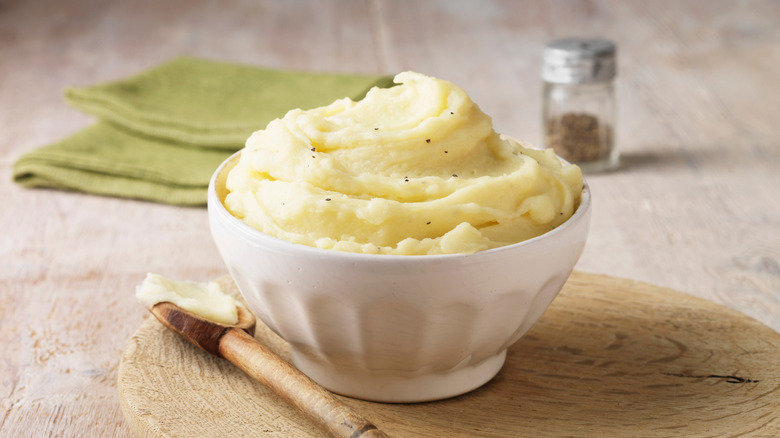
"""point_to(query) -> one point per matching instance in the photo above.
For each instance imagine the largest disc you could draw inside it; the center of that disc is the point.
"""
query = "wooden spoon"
(237, 344)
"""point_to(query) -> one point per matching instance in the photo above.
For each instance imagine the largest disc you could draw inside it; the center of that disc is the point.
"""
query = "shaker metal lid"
(579, 60)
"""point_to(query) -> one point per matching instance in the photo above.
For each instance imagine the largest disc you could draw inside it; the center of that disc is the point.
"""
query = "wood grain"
(237, 344)
(695, 206)
(294, 388)
(610, 357)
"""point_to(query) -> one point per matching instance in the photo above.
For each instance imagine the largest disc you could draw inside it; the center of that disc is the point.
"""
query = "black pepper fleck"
(454, 175)
(314, 149)
(427, 140)
(446, 152)
(428, 223)
(376, 129)
(327, 199)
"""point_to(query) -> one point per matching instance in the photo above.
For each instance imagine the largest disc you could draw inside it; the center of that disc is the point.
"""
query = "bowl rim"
(216, 206)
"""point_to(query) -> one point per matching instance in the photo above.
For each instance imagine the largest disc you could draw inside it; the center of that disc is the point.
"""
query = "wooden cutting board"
(610, 357)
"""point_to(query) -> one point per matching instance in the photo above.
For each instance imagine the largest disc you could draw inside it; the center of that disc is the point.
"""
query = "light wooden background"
(695, 206)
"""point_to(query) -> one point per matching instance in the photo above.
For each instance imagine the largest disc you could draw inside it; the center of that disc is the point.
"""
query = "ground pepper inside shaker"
(579, 137)
(579, 107)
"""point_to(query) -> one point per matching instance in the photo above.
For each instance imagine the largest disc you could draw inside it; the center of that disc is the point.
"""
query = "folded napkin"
(161, 133)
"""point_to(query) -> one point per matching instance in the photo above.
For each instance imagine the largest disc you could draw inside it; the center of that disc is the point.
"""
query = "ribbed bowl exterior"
(380, 327)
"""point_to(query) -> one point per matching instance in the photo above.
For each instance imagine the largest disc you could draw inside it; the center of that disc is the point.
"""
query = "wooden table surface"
(695, 205)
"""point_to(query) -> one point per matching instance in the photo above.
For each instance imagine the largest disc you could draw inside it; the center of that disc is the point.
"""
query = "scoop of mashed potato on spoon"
(414, 169)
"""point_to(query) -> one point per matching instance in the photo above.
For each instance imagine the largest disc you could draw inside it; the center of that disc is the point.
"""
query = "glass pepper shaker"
(579, 102)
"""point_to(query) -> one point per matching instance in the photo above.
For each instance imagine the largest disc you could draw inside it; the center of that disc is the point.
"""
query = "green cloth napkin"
(161, 133)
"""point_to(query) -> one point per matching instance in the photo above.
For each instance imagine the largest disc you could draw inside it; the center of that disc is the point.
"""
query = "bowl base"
(397, 388)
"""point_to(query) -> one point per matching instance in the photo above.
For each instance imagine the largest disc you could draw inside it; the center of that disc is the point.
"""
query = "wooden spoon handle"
(297, 389)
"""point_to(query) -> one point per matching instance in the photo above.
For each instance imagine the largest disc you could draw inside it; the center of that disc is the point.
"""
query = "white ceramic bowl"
(396, 328)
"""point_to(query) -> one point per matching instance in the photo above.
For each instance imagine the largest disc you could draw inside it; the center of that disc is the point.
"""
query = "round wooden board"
(610, 357)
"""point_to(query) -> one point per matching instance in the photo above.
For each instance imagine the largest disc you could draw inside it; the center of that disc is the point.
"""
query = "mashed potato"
(414, 169)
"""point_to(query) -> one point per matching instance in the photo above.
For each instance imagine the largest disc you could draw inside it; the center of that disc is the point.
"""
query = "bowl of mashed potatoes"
(397, 243)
